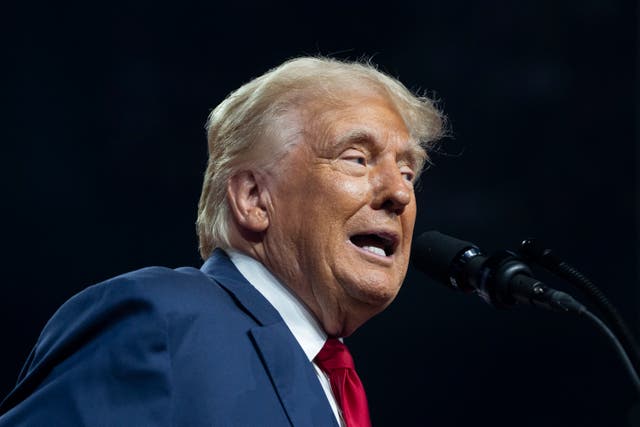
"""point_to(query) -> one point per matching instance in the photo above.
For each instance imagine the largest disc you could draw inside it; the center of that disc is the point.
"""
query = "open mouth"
(382, 244)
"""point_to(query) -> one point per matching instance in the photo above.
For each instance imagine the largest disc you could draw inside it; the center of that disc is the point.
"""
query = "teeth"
(374, 249)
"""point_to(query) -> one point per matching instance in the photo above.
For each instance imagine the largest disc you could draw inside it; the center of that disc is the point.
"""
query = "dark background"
(104, 150)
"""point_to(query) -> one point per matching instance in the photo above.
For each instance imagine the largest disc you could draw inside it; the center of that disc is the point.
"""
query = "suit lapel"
(290, 371)
(293, 377)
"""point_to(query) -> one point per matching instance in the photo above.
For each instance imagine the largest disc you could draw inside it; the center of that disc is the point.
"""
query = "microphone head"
(435, 253)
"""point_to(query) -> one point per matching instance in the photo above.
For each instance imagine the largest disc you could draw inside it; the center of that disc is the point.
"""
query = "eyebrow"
(415, 155)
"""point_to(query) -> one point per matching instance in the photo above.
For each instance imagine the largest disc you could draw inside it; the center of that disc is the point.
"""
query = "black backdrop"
(104, 149)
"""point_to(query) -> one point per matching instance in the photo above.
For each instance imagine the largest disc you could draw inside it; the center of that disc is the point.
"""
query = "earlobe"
(244, 193)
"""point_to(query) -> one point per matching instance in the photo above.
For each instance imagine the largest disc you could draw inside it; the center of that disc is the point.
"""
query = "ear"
(246, 202)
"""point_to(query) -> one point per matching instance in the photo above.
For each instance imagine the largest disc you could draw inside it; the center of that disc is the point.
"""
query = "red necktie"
(336, 361)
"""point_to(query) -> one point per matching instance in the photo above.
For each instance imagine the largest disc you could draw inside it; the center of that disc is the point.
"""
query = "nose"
(392, 192)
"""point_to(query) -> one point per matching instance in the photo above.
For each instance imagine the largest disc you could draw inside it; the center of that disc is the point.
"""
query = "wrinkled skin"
(350, 175)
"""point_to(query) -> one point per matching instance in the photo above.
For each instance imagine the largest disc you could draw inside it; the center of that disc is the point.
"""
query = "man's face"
(342, 211)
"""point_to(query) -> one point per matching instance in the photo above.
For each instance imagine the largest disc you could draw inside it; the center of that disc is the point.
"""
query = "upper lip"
(390, 238)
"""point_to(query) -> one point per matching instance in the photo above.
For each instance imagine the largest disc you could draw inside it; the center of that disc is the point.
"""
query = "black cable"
(533, 250)
(623, 354)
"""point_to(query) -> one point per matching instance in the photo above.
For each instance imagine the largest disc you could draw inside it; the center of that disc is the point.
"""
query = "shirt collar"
(295, 314)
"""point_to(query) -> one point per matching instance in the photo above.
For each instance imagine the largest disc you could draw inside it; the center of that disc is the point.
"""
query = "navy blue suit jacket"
(163, 347)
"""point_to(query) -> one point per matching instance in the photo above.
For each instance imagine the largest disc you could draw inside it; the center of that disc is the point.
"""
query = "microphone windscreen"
(434, 252)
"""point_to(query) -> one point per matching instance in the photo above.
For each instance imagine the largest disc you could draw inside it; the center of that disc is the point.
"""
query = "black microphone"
(501, 279)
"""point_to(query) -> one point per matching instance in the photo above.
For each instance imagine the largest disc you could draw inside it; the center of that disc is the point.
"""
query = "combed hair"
(239, 128)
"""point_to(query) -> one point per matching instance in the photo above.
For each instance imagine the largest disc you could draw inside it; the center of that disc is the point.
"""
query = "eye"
(407, 173)
(354, 156)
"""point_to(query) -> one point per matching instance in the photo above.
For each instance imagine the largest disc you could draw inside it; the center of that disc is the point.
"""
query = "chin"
(375, 291)
(360, 309)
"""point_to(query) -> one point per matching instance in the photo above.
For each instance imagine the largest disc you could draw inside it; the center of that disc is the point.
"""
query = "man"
(305, 223)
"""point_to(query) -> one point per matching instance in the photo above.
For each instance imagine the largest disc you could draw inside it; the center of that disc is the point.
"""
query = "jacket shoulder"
(149, 293)
(123, 317)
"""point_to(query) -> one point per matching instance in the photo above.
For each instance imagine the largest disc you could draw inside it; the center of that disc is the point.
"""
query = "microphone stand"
(626, 346)
(618, 346)
(505, 278)
(532, 250)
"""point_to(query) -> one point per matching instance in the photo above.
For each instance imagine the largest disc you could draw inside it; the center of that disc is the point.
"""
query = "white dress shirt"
(295, 314)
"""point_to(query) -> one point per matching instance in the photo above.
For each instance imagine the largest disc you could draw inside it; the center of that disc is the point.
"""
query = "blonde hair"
(238, 128)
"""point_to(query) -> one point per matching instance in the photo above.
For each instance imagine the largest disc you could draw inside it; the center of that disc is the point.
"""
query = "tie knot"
(334, 355)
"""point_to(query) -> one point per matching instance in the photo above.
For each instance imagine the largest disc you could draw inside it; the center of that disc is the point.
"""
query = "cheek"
(347, 193)
(409, 216)
(408, 223)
